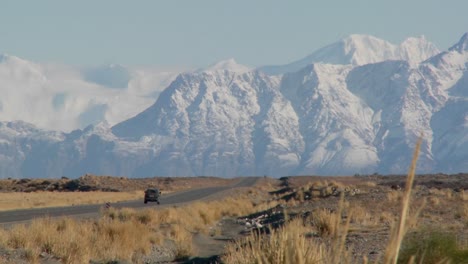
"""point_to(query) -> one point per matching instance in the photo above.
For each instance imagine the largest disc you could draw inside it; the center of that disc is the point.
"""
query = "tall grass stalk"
(396, 238)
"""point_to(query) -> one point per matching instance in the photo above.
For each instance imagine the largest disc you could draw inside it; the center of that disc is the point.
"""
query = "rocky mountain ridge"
(353, 117)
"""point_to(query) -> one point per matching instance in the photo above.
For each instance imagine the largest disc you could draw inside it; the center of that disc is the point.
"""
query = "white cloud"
(58, 97)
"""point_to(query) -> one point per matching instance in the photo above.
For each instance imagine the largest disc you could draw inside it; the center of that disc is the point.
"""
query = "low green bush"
(428, 246)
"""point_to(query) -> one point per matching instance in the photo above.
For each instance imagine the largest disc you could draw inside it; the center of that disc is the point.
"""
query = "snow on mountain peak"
(462, 45)
(416, 49)
(364, 49)
(228, 65)
(358, 50)
(360, 40)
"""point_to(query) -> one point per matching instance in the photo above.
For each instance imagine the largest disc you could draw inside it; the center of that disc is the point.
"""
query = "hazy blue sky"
(200, 32)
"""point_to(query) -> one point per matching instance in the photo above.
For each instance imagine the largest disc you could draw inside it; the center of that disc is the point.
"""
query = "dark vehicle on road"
(152, 195)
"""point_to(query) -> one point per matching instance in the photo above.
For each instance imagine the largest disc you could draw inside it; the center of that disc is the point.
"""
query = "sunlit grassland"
(41, 199)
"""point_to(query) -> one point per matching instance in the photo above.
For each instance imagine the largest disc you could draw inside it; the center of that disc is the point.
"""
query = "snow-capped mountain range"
(355, 106)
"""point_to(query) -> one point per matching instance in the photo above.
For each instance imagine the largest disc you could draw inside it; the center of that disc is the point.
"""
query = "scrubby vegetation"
(432, 246)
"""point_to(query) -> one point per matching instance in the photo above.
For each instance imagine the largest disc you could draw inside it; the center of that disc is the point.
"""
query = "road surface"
(15, 216)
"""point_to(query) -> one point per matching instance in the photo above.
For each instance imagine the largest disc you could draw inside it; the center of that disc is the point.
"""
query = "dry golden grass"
(326, 223)
(362, 216)
(434, 201)
(78, 242)
(286, 245)
(464, 195)
(294, 243)
(125, 234)
(367, 184)
(394, 196)
(444, 193)
(21, 200)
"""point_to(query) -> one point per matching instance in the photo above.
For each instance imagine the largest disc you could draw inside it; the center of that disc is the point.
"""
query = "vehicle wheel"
(157, 202)
(146, 201)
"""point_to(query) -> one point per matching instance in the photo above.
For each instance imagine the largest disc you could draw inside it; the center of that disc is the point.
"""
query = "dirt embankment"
(90, 182)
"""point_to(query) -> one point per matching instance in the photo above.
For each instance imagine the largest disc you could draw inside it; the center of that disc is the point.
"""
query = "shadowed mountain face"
(228, 120)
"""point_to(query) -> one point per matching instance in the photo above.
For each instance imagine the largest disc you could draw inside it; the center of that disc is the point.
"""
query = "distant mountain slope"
(361, 50)
(228, 120)
(221, 123)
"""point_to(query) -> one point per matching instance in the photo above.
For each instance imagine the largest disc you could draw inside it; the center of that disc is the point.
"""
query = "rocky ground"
(379, 196)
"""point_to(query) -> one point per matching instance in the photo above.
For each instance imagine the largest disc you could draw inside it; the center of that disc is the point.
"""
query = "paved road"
(10, 217)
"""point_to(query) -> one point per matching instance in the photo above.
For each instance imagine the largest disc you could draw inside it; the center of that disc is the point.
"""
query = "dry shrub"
(32, 256)
(370, 184)
(294, 242)
(263, 185)
(336, 184)
(446, 193)
(387, 218)
(3, 237)
(462, 212)
(285, 245)
(326, 222)
(144, 217)
(63, 238)
(434, 201)
(167, 215)
(428, 246)
(299, 195)
(119, 240)
(394, 196)
(463, 195)
(414, 214)
(183, 240)
(17, 237)
(362, 216)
